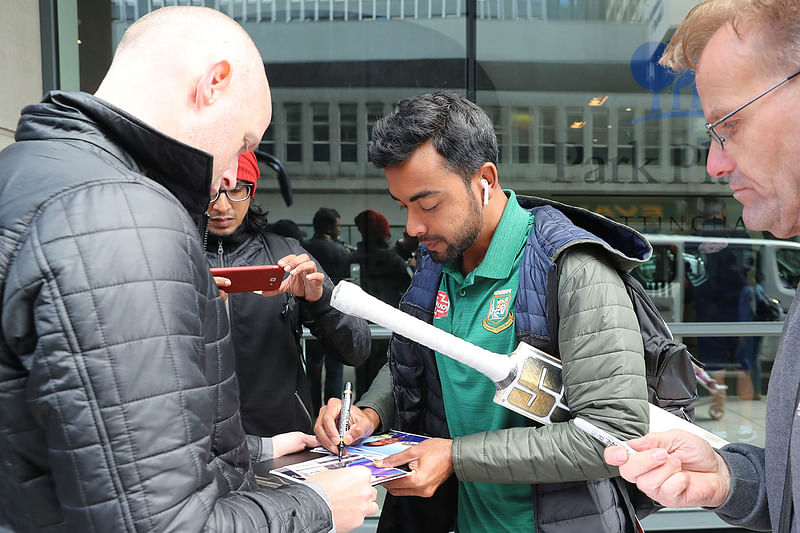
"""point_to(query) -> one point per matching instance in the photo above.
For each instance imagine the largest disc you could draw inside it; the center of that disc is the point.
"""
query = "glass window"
(521, 124)
(688, 145)
(789, 267)
(575, 126)
(374, 112)
(348, 132)
(547, 134)
(625, 135)
(495, 114)
(321, 136)
(294, 131)
(660, 269)
(267, 143)
(652, 141)
(600, 127)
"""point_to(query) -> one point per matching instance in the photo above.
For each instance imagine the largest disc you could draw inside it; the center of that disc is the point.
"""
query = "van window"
(719, 272)
(715, 279)
(659, 269)
(788, 266)
(695, 268)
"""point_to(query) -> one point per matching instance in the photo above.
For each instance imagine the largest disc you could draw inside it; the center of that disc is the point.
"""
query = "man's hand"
(294, 441)
(303, 280)
(675, 468)
(351, 495)
(362, 424)
(221, 284)
(431, 463)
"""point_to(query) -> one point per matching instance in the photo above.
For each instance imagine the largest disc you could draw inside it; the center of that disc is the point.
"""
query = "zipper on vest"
(220, 253)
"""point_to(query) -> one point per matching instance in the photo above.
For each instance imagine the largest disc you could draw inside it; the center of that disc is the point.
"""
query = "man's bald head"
(194, 74)
(185, 37)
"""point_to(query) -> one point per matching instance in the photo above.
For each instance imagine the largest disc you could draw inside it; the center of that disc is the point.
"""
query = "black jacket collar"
(183, 170)
(229, 242)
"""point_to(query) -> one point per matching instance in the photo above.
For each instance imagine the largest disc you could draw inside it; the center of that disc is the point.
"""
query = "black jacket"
(332, 255)
(384, 274)
(266, 332)
(120, 407)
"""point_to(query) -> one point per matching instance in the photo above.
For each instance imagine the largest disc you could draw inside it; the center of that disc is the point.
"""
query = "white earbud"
(485, 185)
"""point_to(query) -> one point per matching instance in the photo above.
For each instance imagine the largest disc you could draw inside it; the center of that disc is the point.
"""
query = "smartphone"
(251, 278)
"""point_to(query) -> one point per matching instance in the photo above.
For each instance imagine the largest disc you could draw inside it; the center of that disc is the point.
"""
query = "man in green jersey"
(481, 275)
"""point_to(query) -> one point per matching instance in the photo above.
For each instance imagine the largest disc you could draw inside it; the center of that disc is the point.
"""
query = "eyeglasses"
(240, 193)
(719, 138)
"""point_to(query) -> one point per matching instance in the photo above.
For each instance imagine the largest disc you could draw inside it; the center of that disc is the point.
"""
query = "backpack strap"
(551, 307)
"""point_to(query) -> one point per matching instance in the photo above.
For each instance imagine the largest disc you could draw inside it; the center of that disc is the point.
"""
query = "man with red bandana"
(266, 329)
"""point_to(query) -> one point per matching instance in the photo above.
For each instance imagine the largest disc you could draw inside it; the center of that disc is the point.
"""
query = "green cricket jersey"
(479, 308)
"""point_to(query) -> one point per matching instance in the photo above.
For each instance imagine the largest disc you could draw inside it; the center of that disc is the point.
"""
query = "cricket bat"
(528, 380)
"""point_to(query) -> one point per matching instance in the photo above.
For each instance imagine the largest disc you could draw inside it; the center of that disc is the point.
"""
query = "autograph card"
(302, 471)
(382, 444)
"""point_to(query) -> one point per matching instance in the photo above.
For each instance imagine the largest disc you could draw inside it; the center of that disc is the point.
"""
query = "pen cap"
(344, 417)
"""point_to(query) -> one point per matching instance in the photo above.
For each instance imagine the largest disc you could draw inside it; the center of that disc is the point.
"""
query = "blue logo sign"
(654, 77)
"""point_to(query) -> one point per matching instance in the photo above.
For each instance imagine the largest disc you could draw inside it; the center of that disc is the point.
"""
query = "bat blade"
(537, 391)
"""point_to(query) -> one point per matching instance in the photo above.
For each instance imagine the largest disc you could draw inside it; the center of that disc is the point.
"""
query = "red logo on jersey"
(442, 305)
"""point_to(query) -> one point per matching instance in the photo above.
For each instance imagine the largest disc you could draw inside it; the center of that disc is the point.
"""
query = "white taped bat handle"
(349, 298)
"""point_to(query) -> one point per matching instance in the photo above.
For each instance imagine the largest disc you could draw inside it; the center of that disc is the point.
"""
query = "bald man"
(120, 407)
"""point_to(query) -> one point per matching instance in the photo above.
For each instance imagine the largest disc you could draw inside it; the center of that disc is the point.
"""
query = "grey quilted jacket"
(120, 407)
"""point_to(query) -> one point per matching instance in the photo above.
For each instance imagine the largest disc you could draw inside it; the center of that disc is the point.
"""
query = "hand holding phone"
(251, 278)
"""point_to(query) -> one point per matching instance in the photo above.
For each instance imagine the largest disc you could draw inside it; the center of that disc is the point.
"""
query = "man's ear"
(488, 171)
(212, 83)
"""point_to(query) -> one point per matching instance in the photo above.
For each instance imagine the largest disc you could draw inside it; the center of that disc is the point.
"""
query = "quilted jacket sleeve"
(130, 405)
(604, 379)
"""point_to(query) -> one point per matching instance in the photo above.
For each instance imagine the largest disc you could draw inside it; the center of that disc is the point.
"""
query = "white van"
(683, 264)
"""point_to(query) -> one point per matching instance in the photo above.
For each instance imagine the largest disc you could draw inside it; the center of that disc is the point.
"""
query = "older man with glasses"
(738, 48)
(266, 329)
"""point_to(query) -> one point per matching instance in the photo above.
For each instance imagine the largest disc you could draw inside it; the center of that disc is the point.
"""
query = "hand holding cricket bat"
(528, 380)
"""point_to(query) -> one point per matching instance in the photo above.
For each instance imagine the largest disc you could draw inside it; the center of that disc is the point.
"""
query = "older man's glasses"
(711, 128)
(240, 193)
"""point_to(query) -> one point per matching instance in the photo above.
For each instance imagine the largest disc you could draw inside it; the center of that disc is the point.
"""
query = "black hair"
(286, 228)
(461, 132)
(255, 220)
(325, 220)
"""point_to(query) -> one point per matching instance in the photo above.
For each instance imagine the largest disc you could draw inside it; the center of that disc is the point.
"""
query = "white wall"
(20, 62)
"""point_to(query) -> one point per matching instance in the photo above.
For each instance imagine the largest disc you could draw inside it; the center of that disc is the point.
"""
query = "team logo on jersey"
(442, 305)
(499, 316)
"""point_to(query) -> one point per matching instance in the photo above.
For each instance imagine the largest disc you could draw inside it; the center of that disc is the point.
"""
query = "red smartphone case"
(251, 278)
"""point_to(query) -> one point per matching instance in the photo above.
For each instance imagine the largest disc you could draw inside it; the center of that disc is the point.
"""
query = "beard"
(465, 236)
